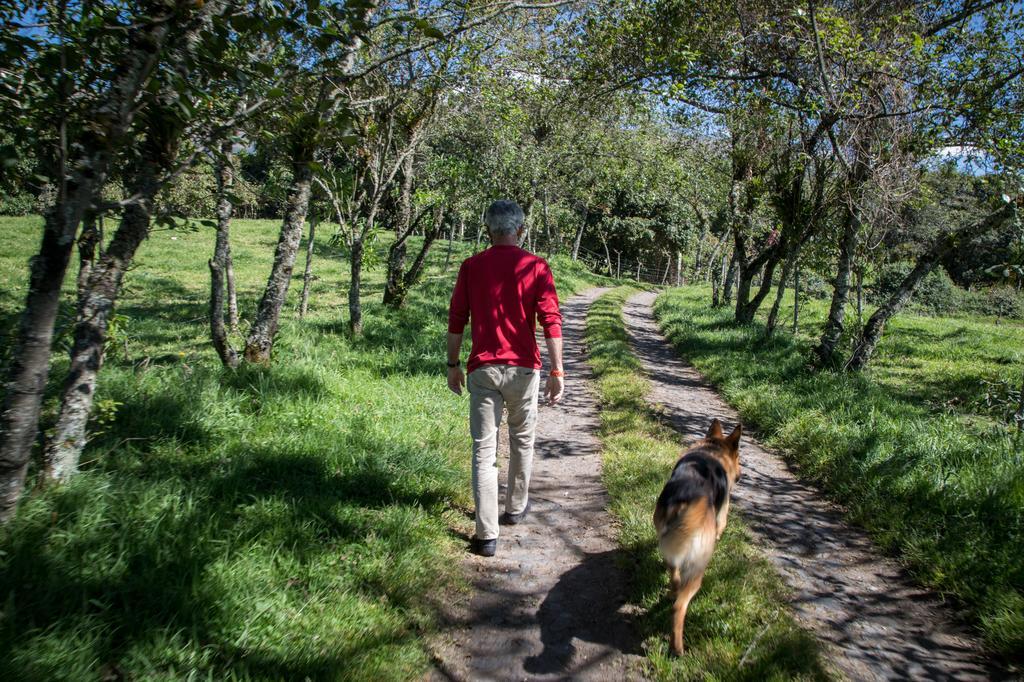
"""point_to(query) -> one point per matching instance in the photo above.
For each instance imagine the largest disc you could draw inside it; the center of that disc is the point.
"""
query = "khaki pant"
(491, 387)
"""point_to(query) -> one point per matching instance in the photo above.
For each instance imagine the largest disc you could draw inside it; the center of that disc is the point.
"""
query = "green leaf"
(428, 29)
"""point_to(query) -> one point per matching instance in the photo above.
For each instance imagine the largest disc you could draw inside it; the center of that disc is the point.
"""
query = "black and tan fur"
(691, 513)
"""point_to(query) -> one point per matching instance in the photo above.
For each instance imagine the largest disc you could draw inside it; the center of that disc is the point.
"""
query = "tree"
(93, 85)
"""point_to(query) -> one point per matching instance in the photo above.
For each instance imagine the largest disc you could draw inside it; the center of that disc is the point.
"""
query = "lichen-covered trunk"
(307, 273)
(30, 360)
(225, 177)
(395, 270)
(835, 322)
(355, 308)
(229, 272)
(64, 448)
(268, 314)
(218, 334)
(88, 240)
(220, 264)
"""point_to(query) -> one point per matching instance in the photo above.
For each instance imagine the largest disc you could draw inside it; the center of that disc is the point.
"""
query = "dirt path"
(880, 625)
(550, 604)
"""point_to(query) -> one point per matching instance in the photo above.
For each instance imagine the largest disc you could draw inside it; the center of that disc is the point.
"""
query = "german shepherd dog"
(691, 514)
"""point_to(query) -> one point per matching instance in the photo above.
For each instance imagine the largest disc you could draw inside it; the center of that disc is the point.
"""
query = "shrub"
(19, 204)
(936, 294)
(1003, 301)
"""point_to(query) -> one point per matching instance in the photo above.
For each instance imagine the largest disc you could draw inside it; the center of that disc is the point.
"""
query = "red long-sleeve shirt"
(504, 290)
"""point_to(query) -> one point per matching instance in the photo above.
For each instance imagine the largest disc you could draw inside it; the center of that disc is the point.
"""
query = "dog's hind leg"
(720, 519)
(683, 596)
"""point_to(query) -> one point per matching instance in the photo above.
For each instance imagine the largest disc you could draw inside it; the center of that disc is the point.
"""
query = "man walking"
(503, 291)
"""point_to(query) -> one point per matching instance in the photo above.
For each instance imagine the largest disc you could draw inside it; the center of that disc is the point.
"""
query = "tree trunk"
(225, 177)
(710, 269)
(229, 267)
(871, 334)
(30, 360)
(307, 274)
(355, 309)
(416, 270)
(700, 248)
(773, 314)
(64, 449)
(834, 324)
(268, 313)
(451, 239)
(88, 240)
(717, 277)
(220, 264)
(218, 335)
(796, 298)
(730, 278)
(1019, 416)
(860, 295)
(607, 256)
(403, 226)
(579, 236)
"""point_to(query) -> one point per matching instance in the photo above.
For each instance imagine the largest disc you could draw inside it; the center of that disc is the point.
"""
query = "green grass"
(738, 626)
(905, 446)
(277, 523)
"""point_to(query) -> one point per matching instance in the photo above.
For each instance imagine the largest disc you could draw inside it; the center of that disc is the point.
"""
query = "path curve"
(550, 605)
(879, 623)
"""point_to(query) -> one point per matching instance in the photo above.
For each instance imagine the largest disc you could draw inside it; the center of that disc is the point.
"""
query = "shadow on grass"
(135, 562)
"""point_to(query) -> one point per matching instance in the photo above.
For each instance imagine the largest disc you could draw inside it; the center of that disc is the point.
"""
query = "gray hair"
(504, 217)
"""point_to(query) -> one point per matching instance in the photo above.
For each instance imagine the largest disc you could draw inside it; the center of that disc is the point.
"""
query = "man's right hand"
(456, 380)
(554, 389)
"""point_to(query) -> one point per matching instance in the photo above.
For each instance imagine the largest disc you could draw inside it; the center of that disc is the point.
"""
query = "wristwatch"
(454, 364)
(557, 373)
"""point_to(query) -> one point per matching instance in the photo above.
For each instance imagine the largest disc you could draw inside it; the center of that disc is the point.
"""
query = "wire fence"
(659, 268)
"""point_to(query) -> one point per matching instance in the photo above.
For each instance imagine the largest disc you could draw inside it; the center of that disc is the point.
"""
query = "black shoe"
(512, 519)
(485, 547)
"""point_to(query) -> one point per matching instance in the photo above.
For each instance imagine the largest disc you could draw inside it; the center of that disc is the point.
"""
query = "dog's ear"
(716, 429)
(734, 438)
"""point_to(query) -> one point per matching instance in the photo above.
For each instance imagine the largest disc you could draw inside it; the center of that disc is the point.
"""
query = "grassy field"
(738, 626)
(278, 523)
(908, 446)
